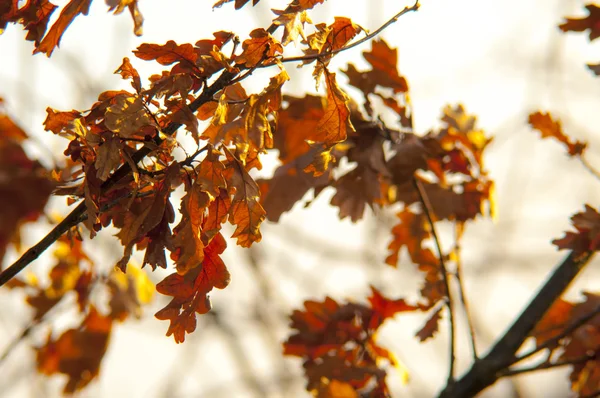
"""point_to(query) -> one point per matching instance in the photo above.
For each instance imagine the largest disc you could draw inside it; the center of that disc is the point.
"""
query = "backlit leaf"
(260, 47)
(67, 15)
(545, 124)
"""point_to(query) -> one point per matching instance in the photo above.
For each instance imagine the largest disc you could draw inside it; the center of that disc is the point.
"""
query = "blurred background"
(501, 60)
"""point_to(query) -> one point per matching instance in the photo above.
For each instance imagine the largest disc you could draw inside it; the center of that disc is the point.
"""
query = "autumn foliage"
(121, 171)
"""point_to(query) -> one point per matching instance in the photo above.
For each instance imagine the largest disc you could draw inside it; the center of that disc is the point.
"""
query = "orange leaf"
(77, 353)
(34, 17)
(553, 323)
(67, 15)
(168, 53)
(187, 247)
(292, 20)
(190, 291)
(335, 125)
(108, 157)
(261, 46)
(127, 116)
(127, 71)
(412, 230)
(59, 122)
(246, 212)
(545, 124)
(430, 327)
(385, 308)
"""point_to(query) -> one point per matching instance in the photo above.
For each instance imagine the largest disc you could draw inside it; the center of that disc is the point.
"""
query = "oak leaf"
(167, 54)
(292, 20)
(290, 184)
(587, 237)
(335, 125)
(411, 231)
(144, 214)
(591, 22)
(52, 39)
(187, 247)
(549, 127)
(246, 212)
(33, 15)
(77, 353)
(92, 193)
(108, 157)
(127, 71)
(431, 326)
(128, 292)
(190, 291)
(584, 342)
(127, 115)
(337, 342)
(260, 47)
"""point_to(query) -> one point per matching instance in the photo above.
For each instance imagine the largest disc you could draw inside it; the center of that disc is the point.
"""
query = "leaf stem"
(589, 167)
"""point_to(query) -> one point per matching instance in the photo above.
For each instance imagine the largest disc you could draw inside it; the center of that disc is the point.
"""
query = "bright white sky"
(500, 59)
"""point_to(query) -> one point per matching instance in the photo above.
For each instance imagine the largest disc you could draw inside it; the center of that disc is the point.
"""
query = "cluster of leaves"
(78, 352)
(123, 165)
(339, 348)
(35, 15)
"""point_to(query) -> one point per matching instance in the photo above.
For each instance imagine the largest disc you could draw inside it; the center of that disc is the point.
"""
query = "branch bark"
(486, 371)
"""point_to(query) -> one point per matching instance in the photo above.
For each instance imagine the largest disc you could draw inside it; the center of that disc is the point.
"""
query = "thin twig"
(368, 37)
(546, 365)
(462, 296)
(589, 167)
(428, 210)
(568, 331)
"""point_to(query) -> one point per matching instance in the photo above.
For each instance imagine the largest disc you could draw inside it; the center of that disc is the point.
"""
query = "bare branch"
(428, 209)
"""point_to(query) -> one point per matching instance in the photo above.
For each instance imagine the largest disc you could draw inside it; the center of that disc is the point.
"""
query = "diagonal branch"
(486, 371)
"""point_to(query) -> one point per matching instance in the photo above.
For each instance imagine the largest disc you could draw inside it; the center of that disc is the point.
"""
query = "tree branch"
(487, 370)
